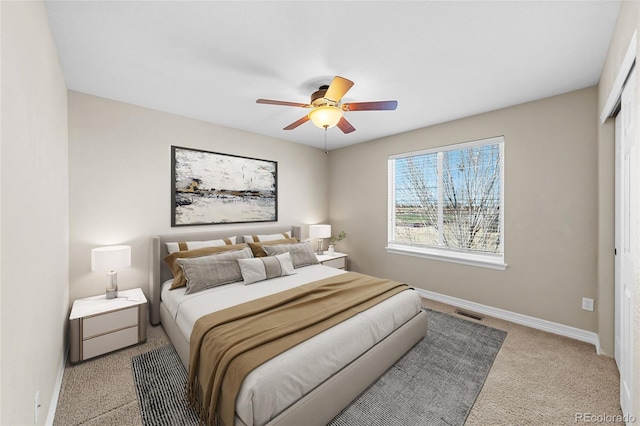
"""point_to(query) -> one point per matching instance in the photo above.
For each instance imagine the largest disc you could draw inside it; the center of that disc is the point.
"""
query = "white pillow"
(266, 237)
(265, 268)
(191, 245)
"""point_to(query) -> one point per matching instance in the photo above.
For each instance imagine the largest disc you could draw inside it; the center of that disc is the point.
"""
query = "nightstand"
(335, 260)
(98, 325)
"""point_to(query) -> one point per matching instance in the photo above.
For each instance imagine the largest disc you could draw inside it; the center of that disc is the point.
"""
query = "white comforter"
(278, 383)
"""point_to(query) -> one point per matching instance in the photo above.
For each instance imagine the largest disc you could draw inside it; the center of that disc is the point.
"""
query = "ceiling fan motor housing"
(318, 99)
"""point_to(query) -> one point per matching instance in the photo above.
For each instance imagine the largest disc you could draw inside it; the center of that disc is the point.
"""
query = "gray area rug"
(435, 383)
(160, 380)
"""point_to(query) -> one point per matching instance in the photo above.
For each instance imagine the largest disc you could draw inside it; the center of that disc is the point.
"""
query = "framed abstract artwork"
(213, 188)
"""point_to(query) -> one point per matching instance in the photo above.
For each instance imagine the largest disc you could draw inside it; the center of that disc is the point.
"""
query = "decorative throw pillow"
(214, 270)
(178, 277)
(258, 251)
(266, 237)
(265, 268)
(192, 245)
(301, 253)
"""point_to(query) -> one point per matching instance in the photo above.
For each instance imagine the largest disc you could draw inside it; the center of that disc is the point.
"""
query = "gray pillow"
(301, 253)
(214, 270)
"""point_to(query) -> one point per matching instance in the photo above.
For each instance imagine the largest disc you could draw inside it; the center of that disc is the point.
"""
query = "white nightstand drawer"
(105, 323)
(336, 263)
(109, 342)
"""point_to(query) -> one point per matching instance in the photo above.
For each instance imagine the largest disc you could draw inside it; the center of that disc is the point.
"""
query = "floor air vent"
(469, 315)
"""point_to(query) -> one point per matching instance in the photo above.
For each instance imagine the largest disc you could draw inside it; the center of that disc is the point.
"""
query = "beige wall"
(120, 180)
(550, 209)
(34, 202)
(606, 205)
(627, 23)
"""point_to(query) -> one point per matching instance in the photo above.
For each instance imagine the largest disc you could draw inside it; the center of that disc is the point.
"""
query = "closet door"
(627, 250)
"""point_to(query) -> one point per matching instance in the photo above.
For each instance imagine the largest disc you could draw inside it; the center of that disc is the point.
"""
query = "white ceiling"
(441, 60)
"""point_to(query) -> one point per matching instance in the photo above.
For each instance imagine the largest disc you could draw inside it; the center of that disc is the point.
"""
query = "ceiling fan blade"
(345, 126)
(297, 123)
(338, 87)
(283, 103)
(370, 106)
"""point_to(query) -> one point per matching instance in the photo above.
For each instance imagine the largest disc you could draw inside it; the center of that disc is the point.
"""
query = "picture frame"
(209, 188)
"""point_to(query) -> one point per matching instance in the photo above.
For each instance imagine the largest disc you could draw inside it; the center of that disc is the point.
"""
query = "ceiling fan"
(326, 109)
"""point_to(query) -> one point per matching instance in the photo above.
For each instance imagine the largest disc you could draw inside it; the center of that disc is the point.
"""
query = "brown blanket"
(227, 345)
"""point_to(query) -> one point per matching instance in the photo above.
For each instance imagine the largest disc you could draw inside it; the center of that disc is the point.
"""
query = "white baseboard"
(537, 323)
(53, 405)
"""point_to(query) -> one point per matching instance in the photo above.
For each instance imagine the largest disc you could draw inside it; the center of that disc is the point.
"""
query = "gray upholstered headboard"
(159, 272)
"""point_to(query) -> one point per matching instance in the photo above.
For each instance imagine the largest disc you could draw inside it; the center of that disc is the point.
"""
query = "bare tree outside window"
(471, 191)
(450, 199)
(417, 200)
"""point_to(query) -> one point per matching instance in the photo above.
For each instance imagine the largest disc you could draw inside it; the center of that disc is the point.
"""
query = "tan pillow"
(178, 277)
(266, 237)
(192, 245)
(258, 251)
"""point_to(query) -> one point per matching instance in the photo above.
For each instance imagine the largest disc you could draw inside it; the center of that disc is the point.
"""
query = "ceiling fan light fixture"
(325, 116)
(326, 109)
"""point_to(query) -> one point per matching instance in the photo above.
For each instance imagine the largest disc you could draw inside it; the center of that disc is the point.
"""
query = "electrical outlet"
(36, 404)
(587, 304)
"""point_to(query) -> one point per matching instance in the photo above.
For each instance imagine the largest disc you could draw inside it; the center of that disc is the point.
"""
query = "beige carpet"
(540, 378)
(537, 379)
(101, 391)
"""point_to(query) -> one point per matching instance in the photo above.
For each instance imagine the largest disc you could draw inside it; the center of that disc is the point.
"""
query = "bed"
(321, 389)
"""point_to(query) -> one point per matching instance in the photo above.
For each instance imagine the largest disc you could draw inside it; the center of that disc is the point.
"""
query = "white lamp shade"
(319, 231)
(110, 258)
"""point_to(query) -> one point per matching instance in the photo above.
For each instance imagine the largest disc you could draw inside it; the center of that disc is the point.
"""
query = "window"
(448, 203)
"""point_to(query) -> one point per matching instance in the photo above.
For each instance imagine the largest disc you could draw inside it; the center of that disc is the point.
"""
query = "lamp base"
(319, 249)
(112, 285)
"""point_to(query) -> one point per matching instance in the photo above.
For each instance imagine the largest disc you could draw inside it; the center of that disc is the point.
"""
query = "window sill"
(449, 256)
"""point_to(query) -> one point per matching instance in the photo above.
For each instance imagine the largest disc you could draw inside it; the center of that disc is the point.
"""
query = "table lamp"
(319, 232)
(109, 259)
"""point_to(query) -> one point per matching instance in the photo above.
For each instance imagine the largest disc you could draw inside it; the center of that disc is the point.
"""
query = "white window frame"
(486, 260)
